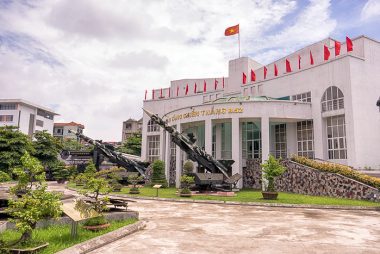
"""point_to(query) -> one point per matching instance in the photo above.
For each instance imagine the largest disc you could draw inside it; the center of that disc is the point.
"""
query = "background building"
(27, 116)
(61, 130)
(323, 109)
(131, 126)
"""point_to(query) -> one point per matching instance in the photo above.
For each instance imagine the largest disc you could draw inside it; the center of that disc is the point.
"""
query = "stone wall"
(305, 180)
(172, 171)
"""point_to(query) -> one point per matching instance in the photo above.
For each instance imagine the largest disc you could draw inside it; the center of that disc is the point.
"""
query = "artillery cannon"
(218, 177)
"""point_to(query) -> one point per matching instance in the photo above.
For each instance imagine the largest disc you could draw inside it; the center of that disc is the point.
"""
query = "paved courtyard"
(208, 228)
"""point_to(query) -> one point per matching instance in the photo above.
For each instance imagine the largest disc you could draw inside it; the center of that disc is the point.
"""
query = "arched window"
(152, 126)
(332, 99)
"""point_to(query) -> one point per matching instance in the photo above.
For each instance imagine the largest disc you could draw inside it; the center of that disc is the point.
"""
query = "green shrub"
(272, 169)
(90, 169)
(338, 169)
(188, 167)
(101, 220)
(4, 177)
(158, 175)
(186, 181)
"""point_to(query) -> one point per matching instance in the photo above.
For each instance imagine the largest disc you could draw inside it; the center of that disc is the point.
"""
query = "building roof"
(28, 103)
(69, 124)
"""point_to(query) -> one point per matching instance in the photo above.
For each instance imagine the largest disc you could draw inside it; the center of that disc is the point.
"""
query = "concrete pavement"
(208, 228)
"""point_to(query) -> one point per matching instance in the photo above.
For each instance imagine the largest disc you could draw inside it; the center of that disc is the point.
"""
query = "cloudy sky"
(92, 60)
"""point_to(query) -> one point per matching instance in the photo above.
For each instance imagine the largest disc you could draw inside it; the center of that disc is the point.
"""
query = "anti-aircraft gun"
(218, 177)
(113, 156)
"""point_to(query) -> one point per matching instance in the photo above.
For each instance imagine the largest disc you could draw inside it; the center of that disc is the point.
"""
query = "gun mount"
(199, 155)
(113, 156)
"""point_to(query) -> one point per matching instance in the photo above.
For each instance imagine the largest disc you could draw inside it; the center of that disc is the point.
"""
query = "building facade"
(27, 116)
(325, 109)
(130, 127)
(61, 130)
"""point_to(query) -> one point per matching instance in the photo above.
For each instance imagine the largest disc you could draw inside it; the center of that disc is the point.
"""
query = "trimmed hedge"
(339, 169)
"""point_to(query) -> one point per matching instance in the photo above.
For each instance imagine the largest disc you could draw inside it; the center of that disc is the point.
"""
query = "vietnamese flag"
(215, 84)
(253, 76)
(204, 86)
(350, 46)
(275, 70)
(146, 91)
(187, 89)
(299, 62)
(326, 53)
(232, 30)
(195, 87)
(177, 90)
(265, 72)
(337, 48)
(244, 78)
(288, 67)
(311, 59)
(152, 94)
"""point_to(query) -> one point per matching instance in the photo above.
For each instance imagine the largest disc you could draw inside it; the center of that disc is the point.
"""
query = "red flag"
(195, 87)
(187, 89)
(146, 91)
(311, 58)
(326, 53)
(265, 72)
(169, 91)
(275, 70)
(244, 78)
(337, 48)
(253, 75)
(161, 93)
(216, 84)
(288, 67)
(232, 30)
(204, 86)
(299, 62)
(223, 82)
(177, 90)
(152, 94)
(350, 46)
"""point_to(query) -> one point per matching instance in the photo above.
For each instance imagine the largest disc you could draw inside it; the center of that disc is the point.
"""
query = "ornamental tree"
(132, 145)
(158, 175)
(36, 202)
(46, 148)
(272, 169)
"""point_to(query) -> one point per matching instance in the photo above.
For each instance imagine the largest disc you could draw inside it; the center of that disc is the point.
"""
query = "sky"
(91, 61)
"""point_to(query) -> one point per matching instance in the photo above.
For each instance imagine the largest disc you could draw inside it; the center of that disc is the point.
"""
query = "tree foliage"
(46, 148)
(13, 144)
(72, 144)
(132, 145)
(272, 169)
(158, 175)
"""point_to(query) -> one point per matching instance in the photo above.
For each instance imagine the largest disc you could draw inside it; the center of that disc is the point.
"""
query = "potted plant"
(271, 169)
(188, 167)
(34, 204)
(134, 179)
(114, 179)
(60, 172)
(186, 182)
(158, 175)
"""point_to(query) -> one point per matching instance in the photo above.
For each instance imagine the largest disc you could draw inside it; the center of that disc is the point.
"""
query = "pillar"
(178, 161)
(218, 141)
(265, 144)
(236, 149)
(167, 155)
(208, 136)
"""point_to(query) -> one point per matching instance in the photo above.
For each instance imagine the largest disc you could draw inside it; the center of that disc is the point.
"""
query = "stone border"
(220, 202)
(100, 241)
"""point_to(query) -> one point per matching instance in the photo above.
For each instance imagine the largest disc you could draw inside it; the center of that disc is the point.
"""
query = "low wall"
(301, 179)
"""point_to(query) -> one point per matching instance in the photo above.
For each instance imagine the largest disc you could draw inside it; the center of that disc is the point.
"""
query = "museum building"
(301, 104)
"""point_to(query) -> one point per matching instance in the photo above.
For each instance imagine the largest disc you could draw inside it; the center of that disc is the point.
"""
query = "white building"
(326, 110)
(61, 130)
(27, 116)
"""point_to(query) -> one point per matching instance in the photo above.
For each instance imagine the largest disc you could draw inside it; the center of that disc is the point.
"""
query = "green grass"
(59, 237)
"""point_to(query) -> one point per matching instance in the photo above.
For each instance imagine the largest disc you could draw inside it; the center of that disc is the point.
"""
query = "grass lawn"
(59, 237)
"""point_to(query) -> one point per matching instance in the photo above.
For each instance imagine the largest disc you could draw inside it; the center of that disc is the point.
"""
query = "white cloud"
(111, 51)
(371, 10)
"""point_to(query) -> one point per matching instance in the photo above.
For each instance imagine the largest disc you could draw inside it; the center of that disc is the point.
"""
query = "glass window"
(39, 123)
(251, 140)
(336, 137)
(153, 148)
(153, 127)
(280, 141)
(7, 106)
(6, 118)
(332, 99)
(304, 97)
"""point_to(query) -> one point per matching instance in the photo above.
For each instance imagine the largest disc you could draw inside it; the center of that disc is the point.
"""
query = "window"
(280, 140)
(336, 137)
(332, 99)
(305, 139)
(152, 126)
(7, 106)
(153, 148)
(173, 150)
(59, 131)
(304, 97)
(128, 126)
(45, 114)
(226, 141)
(6, 118)
(39, 123)
(214, 141)
(251, 141)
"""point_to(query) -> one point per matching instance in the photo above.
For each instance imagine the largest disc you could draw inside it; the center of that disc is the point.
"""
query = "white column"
(218, 141)
(162, 144)
(208, 136)
(265, 144)
(167, 155)
(178, 163)
(236, 149)
(291, 138)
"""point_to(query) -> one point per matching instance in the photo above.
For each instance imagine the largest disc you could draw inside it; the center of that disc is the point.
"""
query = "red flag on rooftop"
(288, 67)
(337, 48)
(204, 86)
(253, 76)
(152, 94)
(146, 91)
(232, 30)
(311, 58)
(244, 78)
(187, 89)
(299, 62)
(326, 53)
(177, 90)
(350, 46)
(216, 84)
(195, 87)
(275, 70)
(265, 72)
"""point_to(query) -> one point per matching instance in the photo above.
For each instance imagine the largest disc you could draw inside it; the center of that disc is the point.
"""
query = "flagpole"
(239, 42)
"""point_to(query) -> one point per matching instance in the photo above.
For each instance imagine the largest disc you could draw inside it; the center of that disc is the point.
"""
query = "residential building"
(131, 126)
(61, 130)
